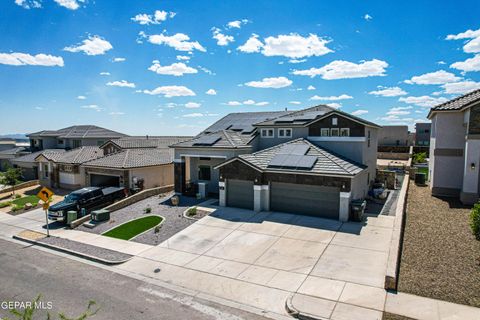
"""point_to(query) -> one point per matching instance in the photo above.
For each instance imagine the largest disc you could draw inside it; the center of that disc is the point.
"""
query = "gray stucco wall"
(393, 135)
(297, 132)
(359, 186)
(351, 150)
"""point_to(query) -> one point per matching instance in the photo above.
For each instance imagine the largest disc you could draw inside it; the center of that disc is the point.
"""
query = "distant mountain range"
(16, 136)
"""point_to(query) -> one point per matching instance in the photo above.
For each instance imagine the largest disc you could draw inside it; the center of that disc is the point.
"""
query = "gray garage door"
(99, 180)
(305, 199)
(240, 194)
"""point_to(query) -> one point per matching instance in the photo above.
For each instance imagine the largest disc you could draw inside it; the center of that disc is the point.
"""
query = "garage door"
(98, 180)
(305, 199)
(67, 178)
(240, 194)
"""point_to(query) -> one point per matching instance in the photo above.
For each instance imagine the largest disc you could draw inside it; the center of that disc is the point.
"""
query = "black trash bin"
(358, 209)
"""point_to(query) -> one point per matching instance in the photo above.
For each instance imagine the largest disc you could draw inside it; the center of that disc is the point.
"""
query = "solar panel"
(207, 140)
(292, 161)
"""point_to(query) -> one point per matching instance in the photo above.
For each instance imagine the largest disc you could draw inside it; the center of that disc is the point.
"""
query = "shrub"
(475, 220)
(420, 157)
(157, 229)
(5, 204)
(16, 208)
(192, 211)
(147, 210)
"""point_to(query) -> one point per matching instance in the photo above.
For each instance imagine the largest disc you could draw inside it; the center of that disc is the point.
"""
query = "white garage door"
(67, 178)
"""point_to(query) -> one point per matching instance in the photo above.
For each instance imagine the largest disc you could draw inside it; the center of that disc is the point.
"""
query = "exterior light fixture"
(472, 165)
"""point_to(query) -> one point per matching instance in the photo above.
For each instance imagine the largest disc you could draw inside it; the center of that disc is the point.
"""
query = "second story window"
(368, 140)
(345, 132)
(284, 133)
(325, 132)
(76, 144)
(334, 121)
(267, 133)
(335, 132)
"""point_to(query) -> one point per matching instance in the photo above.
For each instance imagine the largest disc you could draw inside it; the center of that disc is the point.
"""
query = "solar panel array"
(293, 161)
(207, 140)
(245, 121)
(298, 149)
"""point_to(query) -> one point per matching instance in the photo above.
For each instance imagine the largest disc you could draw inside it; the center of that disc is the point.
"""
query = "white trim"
(331, 132)
(267, 136)
(203, 156)
(348, 130)
(337, 139)
(312, 173)
(345, 115)
(260, 187)
(284, 136)
(239, 159)
(178, 160)
(221, 183)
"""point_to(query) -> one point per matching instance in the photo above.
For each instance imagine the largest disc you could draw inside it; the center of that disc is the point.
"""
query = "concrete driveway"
(260, 259)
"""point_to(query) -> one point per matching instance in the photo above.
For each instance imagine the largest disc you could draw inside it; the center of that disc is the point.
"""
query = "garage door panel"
(98, 180)
(305, 199)
(240, 194)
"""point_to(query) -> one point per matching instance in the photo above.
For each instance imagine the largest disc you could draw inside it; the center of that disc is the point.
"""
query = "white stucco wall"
(155, 176)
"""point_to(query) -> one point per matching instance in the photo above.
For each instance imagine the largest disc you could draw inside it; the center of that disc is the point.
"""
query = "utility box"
(71, 216)
(100, 215)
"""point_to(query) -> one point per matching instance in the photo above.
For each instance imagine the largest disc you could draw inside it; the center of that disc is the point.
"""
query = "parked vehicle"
(84, 201)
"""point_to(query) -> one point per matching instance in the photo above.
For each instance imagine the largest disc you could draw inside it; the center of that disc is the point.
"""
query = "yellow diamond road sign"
(45, 194)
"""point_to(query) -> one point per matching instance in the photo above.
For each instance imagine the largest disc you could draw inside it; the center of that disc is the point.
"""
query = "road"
(26, 272)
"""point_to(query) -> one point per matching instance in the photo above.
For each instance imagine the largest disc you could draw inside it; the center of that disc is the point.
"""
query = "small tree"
(12, 176)
(475, 220)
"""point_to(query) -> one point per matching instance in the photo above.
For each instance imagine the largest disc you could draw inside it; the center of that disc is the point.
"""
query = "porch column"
(222, 194)
(344, 207)
(179, 175)
(261, 198)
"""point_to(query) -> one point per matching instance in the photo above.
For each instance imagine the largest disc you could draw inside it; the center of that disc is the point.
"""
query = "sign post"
(45, 194)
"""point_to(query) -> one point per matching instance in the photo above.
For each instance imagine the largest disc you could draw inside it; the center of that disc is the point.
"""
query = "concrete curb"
(294, 312)
(71, 252)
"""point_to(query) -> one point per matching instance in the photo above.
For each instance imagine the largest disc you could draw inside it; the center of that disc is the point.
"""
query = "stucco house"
(455, 148)
(393, 136)
(312, 161)
(6, 156)
(71, 137)
(422, 133)
(28, 164)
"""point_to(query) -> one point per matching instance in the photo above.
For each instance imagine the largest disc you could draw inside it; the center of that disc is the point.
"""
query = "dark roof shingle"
(457, 103)
(148, 142)
(243, 122)
(133, 158)
(50, 154)
(78, 132)
(225, 139)
(79, 155)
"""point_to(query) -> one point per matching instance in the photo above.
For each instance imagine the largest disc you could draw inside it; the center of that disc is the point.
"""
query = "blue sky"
(145, 67)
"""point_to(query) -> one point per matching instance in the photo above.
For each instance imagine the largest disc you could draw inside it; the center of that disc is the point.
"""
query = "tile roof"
(243, 122)
(79, 155)
(14, 151)
(148, 142)
(78, 132)
(458, 103)
(50, 154)
(306, 116)
(226, 139)
(133, 158)
(328, 163)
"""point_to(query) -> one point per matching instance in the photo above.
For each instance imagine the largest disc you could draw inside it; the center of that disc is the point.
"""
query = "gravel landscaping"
(174, 221)
(97, 252)
(440, 256)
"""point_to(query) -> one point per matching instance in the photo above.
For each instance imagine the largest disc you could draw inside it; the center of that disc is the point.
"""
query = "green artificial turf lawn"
(133, 228)
(23, 200)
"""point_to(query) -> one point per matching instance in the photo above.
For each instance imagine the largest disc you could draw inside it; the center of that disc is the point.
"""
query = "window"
(368, 179)
(45, 168)
(204, 173)
(345, 132)
(100, 142)
(335, 132)
(334, 121)
(325, 132)
(267, 133)
(77, 143)
(60, 141)
(284, 133)
(368, 141)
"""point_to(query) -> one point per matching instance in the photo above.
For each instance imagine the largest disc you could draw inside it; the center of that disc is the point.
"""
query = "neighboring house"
(455, 148)
(6, 144)
(29, 165)
(7, 155)
(393, 136)
(422, 134)
(64, 170)
(71, 137)
(318, 155)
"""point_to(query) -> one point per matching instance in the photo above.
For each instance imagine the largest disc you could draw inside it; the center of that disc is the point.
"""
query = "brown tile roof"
(458, 103)
(147, 142)
(78, 132)
(133, 158)
(79, 155)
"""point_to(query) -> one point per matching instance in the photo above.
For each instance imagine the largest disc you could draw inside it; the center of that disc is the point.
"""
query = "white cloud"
(310, 87)
(248, 102)
(295, 102)
(92, 46)
(222, 39)
(92, 107)
(28, 4)
(367, 17)
(119, 59)
(192, 105)
(292, 46)
(471, 64)
(359, 112)
(178, 41)
(297, 60)
(207, 71)
(340, 69)
(237, 23)
(81, 97)
(423, 101)
(262, 103)
(399, 111)
(193, 115)
(335, 105)
(175, 69)
(396, 119)
(186, 58)
(441, 62)
(121, 83)
(23, 59)
(156, 18)
(278, 82)
(252, 45)
(69, 4)
(233, 103)
(332, 98)
(211, 92)
(116, 113)
(473, 45)
(104, 73)
(388, 92)
(461, 87)
(171, 91)
(437, 77)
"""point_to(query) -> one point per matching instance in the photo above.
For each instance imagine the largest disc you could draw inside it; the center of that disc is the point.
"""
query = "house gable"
(356, 129)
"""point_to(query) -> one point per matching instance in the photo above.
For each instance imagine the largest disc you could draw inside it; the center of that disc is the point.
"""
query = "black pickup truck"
(90, 199)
